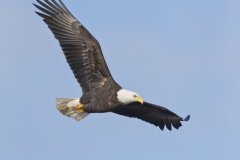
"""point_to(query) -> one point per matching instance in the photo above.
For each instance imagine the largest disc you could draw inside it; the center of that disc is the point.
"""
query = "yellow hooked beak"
(139, 99)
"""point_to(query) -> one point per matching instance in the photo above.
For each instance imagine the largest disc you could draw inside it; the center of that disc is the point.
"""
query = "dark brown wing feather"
(156, 115)
(81, 49)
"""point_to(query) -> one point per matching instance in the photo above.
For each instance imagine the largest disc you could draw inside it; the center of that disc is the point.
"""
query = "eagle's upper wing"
(157, 115)
(81, 49)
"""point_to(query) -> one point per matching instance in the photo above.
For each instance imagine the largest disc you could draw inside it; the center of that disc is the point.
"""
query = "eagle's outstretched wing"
(157, 115)
(81, 49)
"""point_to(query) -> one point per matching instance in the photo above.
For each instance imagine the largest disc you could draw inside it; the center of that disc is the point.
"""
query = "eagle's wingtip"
(187, 118)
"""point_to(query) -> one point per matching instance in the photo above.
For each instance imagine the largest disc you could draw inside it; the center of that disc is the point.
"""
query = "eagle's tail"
(62, 106)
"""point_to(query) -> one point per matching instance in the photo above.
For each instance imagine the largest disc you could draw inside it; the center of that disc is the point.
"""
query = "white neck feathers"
(125, 96)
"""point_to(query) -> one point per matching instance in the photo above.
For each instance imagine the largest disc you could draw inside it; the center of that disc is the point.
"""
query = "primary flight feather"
(101, 93)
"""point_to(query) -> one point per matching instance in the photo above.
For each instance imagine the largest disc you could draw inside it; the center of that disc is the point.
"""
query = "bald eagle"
(101, 93)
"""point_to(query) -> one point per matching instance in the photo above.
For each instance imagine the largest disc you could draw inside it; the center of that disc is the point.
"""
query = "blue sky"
(180, 54)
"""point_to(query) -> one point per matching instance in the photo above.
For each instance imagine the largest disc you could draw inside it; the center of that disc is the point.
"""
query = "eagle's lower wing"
(157, 115)
(81, 49)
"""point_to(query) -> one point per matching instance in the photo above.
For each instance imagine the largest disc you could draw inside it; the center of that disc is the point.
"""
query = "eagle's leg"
(76, 105)
(79, 108)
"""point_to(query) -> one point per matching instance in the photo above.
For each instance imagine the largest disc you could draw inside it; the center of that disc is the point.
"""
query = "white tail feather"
(68, 110)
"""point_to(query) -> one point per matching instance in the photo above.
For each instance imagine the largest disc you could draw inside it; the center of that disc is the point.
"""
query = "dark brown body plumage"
(102, 99)
(84, 56)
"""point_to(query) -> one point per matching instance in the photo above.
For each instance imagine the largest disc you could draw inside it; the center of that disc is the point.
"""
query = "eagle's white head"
(125, 96)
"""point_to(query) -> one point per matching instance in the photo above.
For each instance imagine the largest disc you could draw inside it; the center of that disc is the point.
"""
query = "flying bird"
(101, 93)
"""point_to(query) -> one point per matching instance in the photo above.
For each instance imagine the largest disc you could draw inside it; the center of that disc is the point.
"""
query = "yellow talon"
(79, 108)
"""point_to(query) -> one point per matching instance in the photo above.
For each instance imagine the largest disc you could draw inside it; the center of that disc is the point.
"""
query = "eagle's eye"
(134, 96)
